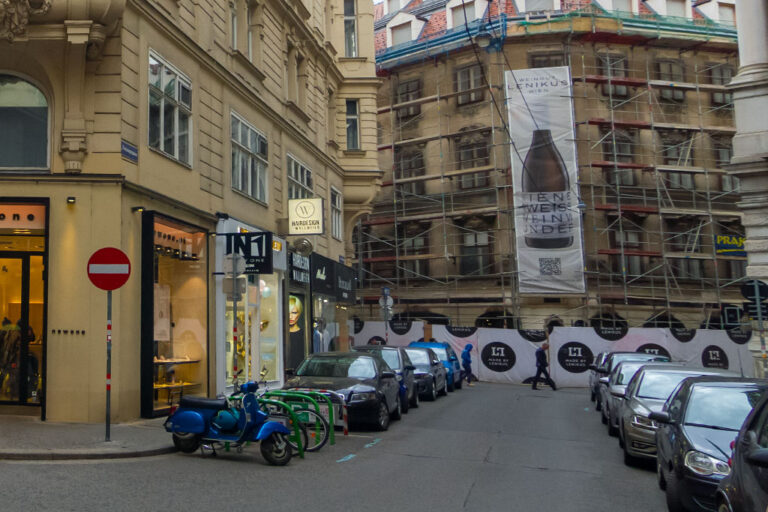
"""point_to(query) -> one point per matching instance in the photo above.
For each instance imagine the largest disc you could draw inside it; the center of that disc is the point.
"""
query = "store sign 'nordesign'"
(22, 216)
(305, 216)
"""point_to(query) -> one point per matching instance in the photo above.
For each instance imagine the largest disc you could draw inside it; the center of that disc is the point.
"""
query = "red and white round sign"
(109, 268)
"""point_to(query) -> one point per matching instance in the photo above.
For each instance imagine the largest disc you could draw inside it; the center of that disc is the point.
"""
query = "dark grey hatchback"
(397, 359)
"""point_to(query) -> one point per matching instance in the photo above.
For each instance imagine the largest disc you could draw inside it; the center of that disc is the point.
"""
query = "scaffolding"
(653, 129)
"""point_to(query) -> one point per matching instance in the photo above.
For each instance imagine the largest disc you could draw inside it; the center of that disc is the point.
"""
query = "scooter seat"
(203, 403)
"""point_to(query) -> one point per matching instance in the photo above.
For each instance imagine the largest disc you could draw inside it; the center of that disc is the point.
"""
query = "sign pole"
(760, 321)
(235, 292)
(109, 358)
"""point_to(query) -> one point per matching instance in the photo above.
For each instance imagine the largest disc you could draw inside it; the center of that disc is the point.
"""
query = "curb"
(83, 454)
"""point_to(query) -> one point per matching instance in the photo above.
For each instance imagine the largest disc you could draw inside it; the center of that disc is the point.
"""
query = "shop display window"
(180, 330)
(325, 325)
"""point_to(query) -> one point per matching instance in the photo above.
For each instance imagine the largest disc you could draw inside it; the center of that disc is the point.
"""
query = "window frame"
(181, 80)
(355, 119)
(337, 214)
(404, 93)
(298, 184)
(611, 68)
(474, 81)
(48, 127)
(350, 19)
(481, 256)
(462, 8)
(402, 171)
(254, 157)
(716, 75)
(675, 73)
(545, 59)
(400, 28)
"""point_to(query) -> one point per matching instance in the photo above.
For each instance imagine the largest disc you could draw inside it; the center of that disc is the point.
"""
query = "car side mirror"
(388, 375)
(454, 358)
(618, 393)
(603, 380)
(758, 457)
(661, 417)
(410, 367)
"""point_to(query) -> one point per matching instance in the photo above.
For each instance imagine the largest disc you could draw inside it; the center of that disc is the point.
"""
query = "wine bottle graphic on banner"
(546, 194)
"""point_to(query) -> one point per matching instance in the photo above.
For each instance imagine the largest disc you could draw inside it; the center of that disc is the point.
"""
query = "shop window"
(614, 66)
(337, 214)
(408, 91)
(170, 110)
(23, 125)
(350, 29)
(177, 330)
(249, 159)
(469, 79)
(475, 254)
(299, 180)
(353, 125)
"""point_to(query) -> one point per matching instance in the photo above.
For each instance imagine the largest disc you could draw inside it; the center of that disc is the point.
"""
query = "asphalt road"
(487, 448)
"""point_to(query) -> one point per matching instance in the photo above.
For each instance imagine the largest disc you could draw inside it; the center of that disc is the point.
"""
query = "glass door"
(21, 317)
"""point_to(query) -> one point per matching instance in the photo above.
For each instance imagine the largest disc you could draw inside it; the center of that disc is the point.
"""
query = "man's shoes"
(470, 384)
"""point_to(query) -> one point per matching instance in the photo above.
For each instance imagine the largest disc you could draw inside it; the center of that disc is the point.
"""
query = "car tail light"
(730, 459)
(173, 410)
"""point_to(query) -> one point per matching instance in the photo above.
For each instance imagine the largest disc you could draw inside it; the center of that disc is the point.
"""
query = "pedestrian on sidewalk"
(466, 362)
(541, 367)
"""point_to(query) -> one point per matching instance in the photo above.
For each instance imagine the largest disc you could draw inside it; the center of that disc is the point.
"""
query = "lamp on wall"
(71, 200)
(483, 38)
(137, 209)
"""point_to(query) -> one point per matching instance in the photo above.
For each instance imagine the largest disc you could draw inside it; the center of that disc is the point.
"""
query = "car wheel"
(621, 435)
(458, 385)
(444, 391)
(398, 412)
(186, 442)
(414, 399)
(724, 507)
(406, 404)
(382, 422)
(629, 459)
(432, 392)
(598, 405)
(592, 396)
(674, 503)
(660, 477)
(612, 431)
(452, 385)
(603, 419)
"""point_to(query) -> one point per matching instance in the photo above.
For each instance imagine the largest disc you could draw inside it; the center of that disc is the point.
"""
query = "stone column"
(750, 145)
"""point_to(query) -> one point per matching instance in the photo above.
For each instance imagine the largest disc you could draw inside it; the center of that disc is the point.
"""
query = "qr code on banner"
(550, 267)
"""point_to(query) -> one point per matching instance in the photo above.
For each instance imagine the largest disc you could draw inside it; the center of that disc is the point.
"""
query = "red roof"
(380, 41)
(509, 8)
(435, 26)
(378, 11)
(644, 9)
(412, 5)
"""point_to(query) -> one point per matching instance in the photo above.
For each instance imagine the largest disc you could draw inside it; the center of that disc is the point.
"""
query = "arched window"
(23, 125)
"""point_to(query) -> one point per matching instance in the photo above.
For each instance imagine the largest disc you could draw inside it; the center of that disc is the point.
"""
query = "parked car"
(613, 359)
(697, 425)
(398, 360)
(448, 358)
(594, 375)
(646, 393)
(431, 376)
(617, 385)
(368, 384)
(745, 489)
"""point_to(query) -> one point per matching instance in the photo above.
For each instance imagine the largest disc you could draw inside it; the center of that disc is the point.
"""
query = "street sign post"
(109, 269)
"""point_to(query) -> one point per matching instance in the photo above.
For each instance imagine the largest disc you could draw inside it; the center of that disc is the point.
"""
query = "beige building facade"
(153, 127)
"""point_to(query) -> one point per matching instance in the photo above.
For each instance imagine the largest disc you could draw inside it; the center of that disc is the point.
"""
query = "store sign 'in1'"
(109, 268)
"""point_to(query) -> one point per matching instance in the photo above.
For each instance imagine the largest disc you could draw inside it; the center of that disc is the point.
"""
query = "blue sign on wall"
(730, 245)
(129, 151)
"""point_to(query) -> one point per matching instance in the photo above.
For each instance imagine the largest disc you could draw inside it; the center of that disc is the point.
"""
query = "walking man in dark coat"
(541, 367)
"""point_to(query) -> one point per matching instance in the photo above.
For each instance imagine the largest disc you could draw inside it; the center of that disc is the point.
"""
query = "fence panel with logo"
(398, 333)
(460, 337)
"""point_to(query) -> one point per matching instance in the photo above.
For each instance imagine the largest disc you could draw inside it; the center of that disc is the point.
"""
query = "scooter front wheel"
(276, 450)
(186, 442)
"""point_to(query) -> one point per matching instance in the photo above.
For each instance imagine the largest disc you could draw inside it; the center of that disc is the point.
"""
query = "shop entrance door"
(21, 328)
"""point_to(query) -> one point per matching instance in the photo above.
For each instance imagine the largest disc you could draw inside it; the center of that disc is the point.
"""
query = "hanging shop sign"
(323, 275)
(345, 284)
(305, 216)
(298, 267)
(728, 245)
(254, 247)
(22, 216)
(545, 181)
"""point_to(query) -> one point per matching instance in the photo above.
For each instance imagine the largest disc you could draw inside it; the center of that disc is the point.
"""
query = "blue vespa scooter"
(212, 421)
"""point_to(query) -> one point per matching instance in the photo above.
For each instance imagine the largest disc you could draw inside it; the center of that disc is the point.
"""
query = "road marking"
(375, 441)
(348, 457)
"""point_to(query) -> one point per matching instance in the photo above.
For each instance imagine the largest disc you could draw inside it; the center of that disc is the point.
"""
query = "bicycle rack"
(339, 396)
(313, 397)
(294, 420)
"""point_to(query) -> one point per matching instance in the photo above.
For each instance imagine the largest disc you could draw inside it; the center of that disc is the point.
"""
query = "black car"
(610, 362)
(431, 375)
(368, 384)
(594, 375)
(745, 489)
(398, 360)
(697, 425)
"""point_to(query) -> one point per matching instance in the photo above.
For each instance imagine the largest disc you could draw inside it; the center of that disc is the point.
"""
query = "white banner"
(398, 333)
(460, 337)
(545, 181)
(505, 356)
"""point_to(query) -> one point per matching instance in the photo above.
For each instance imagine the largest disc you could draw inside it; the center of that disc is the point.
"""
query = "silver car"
(594, 374)
(614, 392)
(646, 392)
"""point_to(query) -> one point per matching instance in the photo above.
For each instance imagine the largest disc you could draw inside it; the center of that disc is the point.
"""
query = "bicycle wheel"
(316, 428)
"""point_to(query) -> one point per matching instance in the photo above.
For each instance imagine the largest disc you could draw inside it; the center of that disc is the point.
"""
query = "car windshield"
(342, 366)
(660, 385)
(391, 357)
(733, 406)
(418, 357)
(626, 373)
(440, 352)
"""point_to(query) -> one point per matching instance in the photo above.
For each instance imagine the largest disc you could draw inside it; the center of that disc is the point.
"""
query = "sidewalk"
(27, 438)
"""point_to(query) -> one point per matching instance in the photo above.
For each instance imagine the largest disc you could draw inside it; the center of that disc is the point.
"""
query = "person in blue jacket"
(466, 362)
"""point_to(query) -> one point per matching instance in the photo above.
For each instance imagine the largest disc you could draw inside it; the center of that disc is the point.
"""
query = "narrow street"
(487, 448)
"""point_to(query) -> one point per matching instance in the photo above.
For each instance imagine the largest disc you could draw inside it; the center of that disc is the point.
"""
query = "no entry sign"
(109, 268)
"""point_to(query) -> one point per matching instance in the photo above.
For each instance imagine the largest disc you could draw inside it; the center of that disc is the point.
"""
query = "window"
(233, 24)
(539, 5)
(463, 14)
(472, 152)
(737, 269)
(727, 14)
(676, 8)
(417, 244)
(622, 150)
(469, 78)
(723, 152)
(393, 5)
(350, 29)
(614, 66)
(475, 254)
(337, 214)
(546, 60)
(249, 20)
(671, 71)
(408, 91)
(353, 125)
(730, 183)
(677, 150)
(170, 105)
(721, 74)
(299, 180)
(249, 159)
(401, 34)
(680, 180)
(23, 125)
(410, 164)
(628, 240)
(632, 266)
(622, 5)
